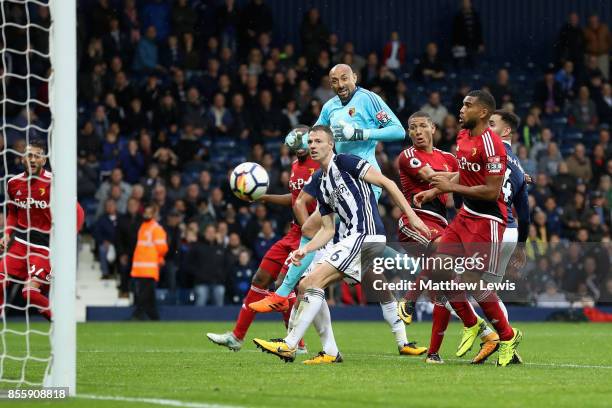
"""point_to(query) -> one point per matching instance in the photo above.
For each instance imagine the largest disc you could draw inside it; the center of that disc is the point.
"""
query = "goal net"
(38, 269)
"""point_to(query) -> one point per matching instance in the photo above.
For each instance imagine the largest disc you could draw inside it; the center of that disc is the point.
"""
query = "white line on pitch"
(156, 401)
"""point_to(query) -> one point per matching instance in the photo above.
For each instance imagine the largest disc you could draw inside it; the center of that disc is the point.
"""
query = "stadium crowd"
(168, 105)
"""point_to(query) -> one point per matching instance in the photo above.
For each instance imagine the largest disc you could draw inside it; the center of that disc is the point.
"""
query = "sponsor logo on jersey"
(474, 151)
(297, 184)
(29, 202)
(467, 165)
(42, 190)
(382, 117)
(494, 164)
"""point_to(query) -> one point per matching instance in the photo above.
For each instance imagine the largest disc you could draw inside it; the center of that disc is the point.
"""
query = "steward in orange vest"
(148, 256)
(151, 248)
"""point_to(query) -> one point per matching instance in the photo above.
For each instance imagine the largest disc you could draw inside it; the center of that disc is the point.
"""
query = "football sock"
(289, 316)
(287, 313)
(462, 307)
(310, 306)
(503, 308)
(322, 323)
(246, 315)
(4, 285)
(34, 297)
(441, 317)
(398, 328)
(295, 272)
(491, 307)
(413, 295)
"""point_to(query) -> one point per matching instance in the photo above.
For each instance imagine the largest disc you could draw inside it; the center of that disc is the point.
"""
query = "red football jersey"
(479, 157)
(29, 209)
(412, 160)
(300, 174)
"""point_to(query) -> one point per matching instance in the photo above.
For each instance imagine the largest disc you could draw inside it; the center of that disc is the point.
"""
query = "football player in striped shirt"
(359, 119)
(346, 191)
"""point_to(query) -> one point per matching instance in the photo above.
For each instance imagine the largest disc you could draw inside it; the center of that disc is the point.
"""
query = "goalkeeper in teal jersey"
(359, 119)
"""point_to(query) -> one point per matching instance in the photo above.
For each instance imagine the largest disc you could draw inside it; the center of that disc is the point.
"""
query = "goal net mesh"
(25, 82)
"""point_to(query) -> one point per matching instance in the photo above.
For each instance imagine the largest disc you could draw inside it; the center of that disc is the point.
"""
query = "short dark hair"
(484, 98)
(420, 114)
(323, 128)
(39, 144)
(510, 118)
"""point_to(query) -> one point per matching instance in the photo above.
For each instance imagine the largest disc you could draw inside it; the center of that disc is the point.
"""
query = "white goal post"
(63, 156)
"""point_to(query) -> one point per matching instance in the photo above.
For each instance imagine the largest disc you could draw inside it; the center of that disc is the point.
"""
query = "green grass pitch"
(567, 365)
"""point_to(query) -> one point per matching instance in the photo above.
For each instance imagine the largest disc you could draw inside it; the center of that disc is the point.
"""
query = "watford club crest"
(351, 111)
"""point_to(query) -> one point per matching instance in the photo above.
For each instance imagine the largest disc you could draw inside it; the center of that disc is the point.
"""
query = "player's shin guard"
(295, 272)
(389, 311)
(313, 298)
(495, 314)
(34, 297)
(441, 317)
(246, 315)
(322, 323)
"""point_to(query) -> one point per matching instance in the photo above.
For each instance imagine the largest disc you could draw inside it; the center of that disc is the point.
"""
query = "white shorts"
(348, 254)
(508, 245)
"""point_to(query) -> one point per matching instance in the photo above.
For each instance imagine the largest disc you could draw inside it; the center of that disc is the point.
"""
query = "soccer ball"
(249, 181)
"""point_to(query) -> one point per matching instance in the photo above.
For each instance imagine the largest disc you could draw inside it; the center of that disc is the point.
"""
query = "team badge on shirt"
(494, 164)
(351, 111)
(382, 117)
(414, 163)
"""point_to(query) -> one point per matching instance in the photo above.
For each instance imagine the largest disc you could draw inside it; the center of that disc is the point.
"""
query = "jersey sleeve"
(312, 185)
(11, 216)
(323, 116)
(354, 165)
(494, 155)
(324, 208)
(409, 165)
(521, 205)
(451, 160)
(380, 111)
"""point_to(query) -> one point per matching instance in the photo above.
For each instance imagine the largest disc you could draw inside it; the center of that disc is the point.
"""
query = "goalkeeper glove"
(345, 132)
(296, 141)
(405, 310)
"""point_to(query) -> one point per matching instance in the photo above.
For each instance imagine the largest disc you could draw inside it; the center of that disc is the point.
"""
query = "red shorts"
(473, 236)
(274, 260)
(435, 224)
(22, 265)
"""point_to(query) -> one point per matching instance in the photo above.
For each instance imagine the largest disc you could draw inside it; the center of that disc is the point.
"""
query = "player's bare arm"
(278, 199)
(300, 209)
(375, 177)
(4, 242)
(488, 191)
(429, 195)
(322, 237)
(426, 173)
